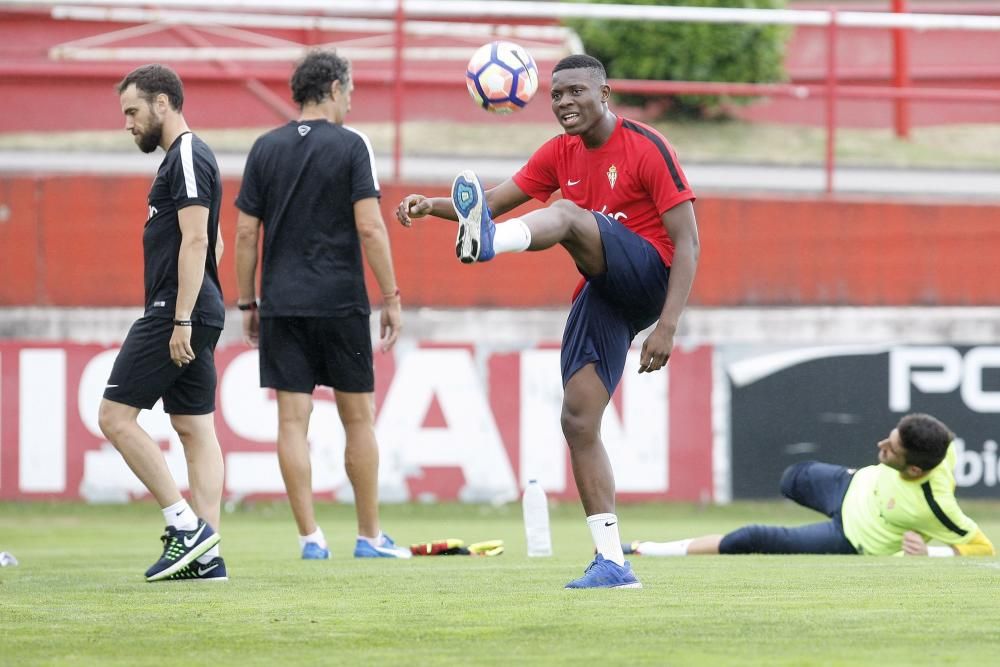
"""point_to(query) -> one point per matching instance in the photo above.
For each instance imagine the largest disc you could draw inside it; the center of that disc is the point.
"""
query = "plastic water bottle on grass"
(536, 520)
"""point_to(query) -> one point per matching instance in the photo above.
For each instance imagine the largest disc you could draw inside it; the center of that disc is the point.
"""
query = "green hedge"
(687, 52)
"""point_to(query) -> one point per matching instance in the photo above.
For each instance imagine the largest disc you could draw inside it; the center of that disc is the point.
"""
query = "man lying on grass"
(892, 508)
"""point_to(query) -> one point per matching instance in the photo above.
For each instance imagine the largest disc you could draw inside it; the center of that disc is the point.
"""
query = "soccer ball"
(501, 77)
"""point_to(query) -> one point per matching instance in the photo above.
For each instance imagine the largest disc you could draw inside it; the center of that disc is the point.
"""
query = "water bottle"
(536, 520)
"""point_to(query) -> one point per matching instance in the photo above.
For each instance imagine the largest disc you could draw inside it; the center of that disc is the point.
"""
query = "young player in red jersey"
(626, 218)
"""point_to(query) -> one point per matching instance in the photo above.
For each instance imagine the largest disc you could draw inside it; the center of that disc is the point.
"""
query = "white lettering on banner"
(106, 476)
(972, 467)
(637, 441)
(543, 448)
(470, 441)
(42, 417)
(976, 361)
(902, 361)
(946, 371)
(54, 434)
(250, 412)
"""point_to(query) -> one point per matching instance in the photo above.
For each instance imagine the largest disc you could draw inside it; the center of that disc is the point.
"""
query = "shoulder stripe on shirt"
(371, 153)
(664, 151)
(939, 513)
(187, 163)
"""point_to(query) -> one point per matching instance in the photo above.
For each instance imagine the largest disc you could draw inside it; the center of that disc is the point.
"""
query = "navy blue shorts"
(143, 372)
(298, 353)
(613, 307)
(818, 486)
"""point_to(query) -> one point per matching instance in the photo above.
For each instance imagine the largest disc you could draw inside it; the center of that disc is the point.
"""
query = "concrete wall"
(74, 241)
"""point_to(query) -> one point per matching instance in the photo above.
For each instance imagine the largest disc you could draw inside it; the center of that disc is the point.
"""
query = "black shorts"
(299, 353)
(144, 373)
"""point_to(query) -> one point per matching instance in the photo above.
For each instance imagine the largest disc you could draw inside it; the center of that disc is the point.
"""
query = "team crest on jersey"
(613, 176)
(892, 503)
(304, 130)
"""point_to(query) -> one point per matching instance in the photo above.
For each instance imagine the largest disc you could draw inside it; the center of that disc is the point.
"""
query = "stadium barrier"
(473, 422)
(465, 422)
(834, 403)
(758, 250)
(720, 423)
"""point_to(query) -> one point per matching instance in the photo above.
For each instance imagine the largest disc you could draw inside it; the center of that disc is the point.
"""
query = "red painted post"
(831, 99)
(397, 97)
(901, 71)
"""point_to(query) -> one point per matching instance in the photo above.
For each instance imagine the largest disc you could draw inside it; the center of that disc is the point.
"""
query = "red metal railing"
(901, 92)
(828, 88)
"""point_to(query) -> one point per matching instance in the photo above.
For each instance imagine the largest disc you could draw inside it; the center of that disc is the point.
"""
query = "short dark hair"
(153, 79)
(313, 75)
(925, 440)
(582, 61)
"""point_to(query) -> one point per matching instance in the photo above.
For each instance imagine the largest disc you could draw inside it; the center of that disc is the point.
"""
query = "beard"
(150, 139)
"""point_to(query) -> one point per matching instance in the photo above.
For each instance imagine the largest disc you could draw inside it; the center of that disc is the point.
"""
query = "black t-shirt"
(302, 180)
(188, 176)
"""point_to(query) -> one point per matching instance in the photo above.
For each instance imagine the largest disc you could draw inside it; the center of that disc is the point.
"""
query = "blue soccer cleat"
(313, 551)
(213, 570)
(387, 549)
(475, 226)
(603, 573)
(180, 547)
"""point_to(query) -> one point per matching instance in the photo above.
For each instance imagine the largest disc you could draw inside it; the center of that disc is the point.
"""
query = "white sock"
(604, 529)
(675, 548)
(315, 537)
(180, 516)
(209, 555)
(511, 236)
(374, 541)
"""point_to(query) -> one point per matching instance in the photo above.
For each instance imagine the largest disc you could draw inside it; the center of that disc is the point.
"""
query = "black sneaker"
(180, 547)
(213, 570)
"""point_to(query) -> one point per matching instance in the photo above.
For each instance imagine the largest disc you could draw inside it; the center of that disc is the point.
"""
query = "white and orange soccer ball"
(502, 77)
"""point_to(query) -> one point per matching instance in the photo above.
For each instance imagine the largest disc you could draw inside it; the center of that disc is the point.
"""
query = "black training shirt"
(188, 176)
(302, 180)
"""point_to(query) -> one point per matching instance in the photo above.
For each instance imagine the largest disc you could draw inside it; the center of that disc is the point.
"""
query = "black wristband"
(182, 323)
(247, 306)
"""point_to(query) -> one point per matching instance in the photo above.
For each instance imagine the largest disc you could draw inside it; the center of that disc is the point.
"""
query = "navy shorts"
(613, 307)
(299, 353)
(144, 373)
(818, 486)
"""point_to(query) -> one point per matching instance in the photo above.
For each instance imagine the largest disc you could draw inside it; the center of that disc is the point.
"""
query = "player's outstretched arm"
(418, 206)
(505, 197)
(500, 199)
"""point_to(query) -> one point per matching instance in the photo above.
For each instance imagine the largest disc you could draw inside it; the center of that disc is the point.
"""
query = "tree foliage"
(659, 50)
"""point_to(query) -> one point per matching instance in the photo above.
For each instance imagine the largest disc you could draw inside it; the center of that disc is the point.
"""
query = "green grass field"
(78, 597)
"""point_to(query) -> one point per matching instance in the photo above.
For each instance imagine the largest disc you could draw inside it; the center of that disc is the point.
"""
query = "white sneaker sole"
(469, 226)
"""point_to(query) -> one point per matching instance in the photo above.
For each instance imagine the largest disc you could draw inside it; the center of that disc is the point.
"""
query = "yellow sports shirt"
(880, 506)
